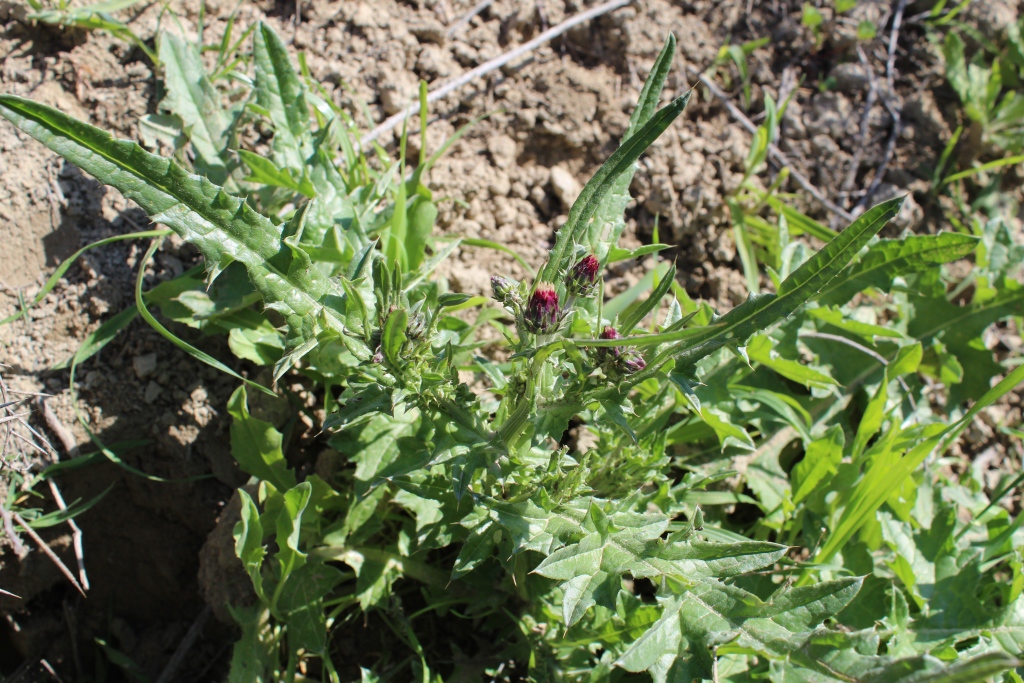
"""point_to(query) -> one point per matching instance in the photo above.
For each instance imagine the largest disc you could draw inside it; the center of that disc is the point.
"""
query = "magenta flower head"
(582, 279)
(542, 315)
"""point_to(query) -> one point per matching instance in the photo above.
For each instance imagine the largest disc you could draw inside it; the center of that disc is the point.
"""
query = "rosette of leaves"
(461, 522)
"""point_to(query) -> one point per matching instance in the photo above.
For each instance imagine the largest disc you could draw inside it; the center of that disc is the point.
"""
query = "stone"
(850, 77)
(565, 186)
(428, 31)
(503, 150)
(144, 365)
(153, 390)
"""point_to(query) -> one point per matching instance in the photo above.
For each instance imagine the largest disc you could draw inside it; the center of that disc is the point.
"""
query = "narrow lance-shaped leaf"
(758, 312)
(603, 181)
(280, 92)
(224, 228)
(888, 258)
(609, 219)
(192, 97)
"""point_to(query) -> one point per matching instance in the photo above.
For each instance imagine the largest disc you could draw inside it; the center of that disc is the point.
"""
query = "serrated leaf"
(256, 445)
(886, 259)
(603, 182)
(194, 99)
(609, 218)
(760, 311)
(280, 92)
(709, 614)
(224, 228)
(592, 568)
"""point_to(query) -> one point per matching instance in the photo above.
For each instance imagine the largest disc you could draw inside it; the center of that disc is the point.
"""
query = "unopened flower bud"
(503, 287)
(630, 361)
(541, 315)
(581, 280)
(608, 353)
(624, 360)
(416, 326)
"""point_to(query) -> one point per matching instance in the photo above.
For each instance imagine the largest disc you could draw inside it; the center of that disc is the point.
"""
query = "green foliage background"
(464, 524)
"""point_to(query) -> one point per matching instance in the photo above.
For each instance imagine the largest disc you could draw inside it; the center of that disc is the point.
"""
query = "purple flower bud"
(581, 280)
(541, 315)
(631, 361)
(503, 287)
(625, 360)
(608, 353)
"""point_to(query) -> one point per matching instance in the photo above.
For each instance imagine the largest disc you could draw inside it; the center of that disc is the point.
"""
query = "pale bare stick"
(862, 135)
(774, 152)
(496, 63)
(465, 18)
(49, 553)
(12, 537)
(186, 644)
(897, 122)
(67, 440)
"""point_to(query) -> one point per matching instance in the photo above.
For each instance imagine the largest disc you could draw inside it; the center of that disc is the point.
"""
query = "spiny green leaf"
(886, 259)
(193, 98)
(707, 614)
(758, 312)
(586, 206)
(224, 228)
(609, 218)
(280, 92)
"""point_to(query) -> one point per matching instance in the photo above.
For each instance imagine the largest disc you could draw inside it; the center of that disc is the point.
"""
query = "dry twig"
(465, 18)
(48, 551)
(67, 440)
(496, 63)
(862, 135)
(191, 636)
(897, 122)
(12, 537)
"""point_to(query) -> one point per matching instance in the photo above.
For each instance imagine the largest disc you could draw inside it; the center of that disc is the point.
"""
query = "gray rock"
(565, 186)
(850, 77)
(153, 390)
(144, 365)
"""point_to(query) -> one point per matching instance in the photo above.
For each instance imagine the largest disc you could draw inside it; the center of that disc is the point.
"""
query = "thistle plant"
(472, 524)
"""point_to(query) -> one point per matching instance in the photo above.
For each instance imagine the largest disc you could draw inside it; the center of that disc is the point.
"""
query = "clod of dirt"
(222, 580)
